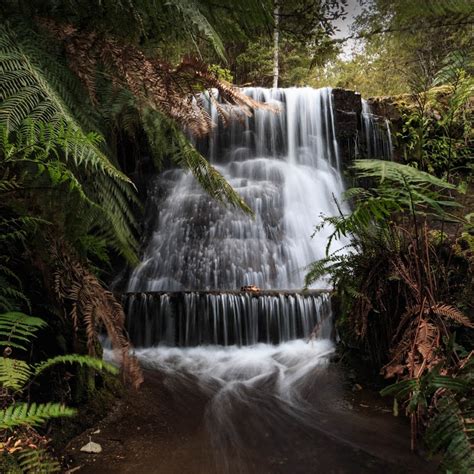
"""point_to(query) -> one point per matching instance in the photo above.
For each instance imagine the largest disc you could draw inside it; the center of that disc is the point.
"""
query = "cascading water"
(377, 134)
(192, 318)
(285, 165)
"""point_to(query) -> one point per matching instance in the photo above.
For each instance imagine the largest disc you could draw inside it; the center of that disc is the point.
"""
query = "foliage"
(398, 47)
(254, 64)
(88, 305)
(396, 281)
(168, 141)
(45, 128)
(18, 418)
(34, 156)
(409, 40)
(446, 405)
(374, 70)
(31, 414)
(399, 279)
(435, 131)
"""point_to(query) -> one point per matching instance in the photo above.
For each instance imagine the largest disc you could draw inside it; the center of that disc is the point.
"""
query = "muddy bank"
(166, 428)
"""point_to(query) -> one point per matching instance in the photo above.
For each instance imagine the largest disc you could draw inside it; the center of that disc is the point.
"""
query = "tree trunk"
(276, 43)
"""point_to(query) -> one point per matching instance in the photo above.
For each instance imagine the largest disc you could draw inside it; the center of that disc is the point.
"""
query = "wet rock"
(347, 110)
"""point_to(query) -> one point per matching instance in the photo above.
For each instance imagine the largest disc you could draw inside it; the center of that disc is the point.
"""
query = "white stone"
(92, 447)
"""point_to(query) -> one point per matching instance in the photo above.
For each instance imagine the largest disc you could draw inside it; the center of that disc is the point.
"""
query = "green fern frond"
(397, 173)
(451, 432)
(166, 140)
(37, 461)
(37, 93)
(193, 17)
(17, 329)
(24, 414)
(207, 176)
(316, 271)
(13, 373)
(92, 362)
(10, 296)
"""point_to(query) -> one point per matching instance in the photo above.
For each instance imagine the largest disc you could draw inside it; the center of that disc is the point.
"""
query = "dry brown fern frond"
(153, 82)
(399, 351)
(423, 354)
(362, 308)
(401, 270)
(453, 313)
(416, 349)
(92, 305)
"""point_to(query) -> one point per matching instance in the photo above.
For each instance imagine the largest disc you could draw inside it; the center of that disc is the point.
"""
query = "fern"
(92, 362)
(397, 173)
(207, 176)
(451, 432)
(194, 19)
(14, 373)
(37, 461)
(34, 95)
(17, 329)
(452, 313)
(166, 140)
(451, 429)
(32, 414)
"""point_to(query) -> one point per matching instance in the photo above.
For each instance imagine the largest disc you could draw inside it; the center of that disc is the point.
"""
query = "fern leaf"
(18, 328)
(191, 14)
(13, 373)
(451, 432)
(452, 313)
(37, 461)
(92, 362)
(24, 414)
(397, 172)
(39, 91)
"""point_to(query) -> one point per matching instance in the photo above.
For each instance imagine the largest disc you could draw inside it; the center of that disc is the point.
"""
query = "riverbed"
(259, 409)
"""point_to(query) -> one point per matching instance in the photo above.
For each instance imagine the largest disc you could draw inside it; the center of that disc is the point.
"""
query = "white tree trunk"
(276, 43)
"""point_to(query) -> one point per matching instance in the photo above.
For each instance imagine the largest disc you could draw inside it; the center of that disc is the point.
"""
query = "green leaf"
(24, 414)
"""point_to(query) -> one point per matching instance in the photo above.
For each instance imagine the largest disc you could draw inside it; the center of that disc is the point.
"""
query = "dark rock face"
(351, 131)
(385, 107)
(347, 107)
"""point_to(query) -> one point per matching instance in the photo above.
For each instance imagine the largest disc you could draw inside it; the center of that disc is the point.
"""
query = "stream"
(243, 410)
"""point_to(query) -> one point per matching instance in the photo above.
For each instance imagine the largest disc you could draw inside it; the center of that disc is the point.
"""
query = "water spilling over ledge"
(226, 318)
(287, 166)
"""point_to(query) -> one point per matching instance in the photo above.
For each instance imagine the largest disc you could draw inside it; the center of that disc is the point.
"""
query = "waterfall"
(201, 318)
(285, 165)
(377, 135)
(253, 367)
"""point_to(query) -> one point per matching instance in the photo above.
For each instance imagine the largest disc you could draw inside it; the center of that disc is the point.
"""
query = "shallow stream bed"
(260, 409)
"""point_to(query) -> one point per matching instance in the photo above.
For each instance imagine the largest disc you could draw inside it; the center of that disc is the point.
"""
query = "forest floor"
(156, 431)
